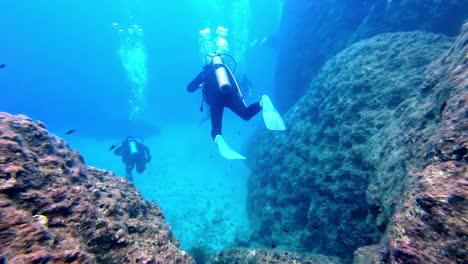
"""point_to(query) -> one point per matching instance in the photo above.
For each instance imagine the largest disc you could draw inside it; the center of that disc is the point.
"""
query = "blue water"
(64, 68)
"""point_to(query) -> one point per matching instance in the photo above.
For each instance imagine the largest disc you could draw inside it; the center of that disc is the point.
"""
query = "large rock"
(308, 188)
(263, 256)
(55, 209)
(428, 128)
(421, 166)
(313, 31)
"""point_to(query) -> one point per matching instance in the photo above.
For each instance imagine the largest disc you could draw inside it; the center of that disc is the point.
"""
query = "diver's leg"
(216, 112)
(216, 125)
(140, 165)
(130, 165)
(128, 174)
(238, 106)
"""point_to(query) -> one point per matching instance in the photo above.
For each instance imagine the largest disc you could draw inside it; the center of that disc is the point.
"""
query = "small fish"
(231, 224)
(197, 225)
(285, 230)
(2, 66)
(71, 131)
(273, 245)
(315, 226)
(112, 147)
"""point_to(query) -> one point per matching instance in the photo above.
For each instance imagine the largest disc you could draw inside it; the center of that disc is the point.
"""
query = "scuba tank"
(132, 146)
(221, 74)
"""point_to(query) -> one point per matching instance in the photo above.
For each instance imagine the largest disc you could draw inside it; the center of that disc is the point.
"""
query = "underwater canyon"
(372, 167)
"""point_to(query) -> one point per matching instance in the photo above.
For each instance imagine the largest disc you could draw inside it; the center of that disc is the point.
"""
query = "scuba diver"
(133, 153)
(245, 84)
(220, 90)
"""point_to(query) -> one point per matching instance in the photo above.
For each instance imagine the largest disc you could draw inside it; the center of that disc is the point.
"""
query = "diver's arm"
(195, 83)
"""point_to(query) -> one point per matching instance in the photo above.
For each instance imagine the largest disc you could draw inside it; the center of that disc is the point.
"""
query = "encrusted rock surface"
(263, 256)
(315, 173)
(430, 127)
(421, 163)
(55, 209)
(309, 186)
(313, 31)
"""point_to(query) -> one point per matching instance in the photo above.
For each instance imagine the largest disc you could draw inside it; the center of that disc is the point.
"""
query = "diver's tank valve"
(221, 74)
(133, 147)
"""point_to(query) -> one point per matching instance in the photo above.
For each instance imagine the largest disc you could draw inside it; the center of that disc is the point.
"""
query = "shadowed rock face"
(313, 31)
(54, 208)
(262, 256)
(313, 179)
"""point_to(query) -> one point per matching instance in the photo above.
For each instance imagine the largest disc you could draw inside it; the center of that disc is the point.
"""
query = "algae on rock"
(313, 178)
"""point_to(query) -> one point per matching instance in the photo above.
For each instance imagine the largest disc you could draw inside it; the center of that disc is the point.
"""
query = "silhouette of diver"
(245, 84)
(133, 153)
(220, 90)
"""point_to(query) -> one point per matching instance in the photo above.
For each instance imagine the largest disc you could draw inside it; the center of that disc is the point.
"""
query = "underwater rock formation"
(421, 163)
(263, 256)
(55, 209)
(309, 185)
(313, 31)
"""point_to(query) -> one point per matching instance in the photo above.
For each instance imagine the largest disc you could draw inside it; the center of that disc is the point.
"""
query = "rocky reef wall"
(263, 256)
(421, 167)
(55, 209)
(313, 31)
(367, 148)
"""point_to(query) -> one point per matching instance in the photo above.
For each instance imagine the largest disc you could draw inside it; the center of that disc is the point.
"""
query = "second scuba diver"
(134, 154)
(220, 90)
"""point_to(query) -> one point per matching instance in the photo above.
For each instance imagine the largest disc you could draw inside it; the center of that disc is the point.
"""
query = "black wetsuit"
(218, 100)
(139, 159)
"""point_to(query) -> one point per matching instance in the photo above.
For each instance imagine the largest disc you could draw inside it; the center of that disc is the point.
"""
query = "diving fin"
(272, 118)
(225, 150)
